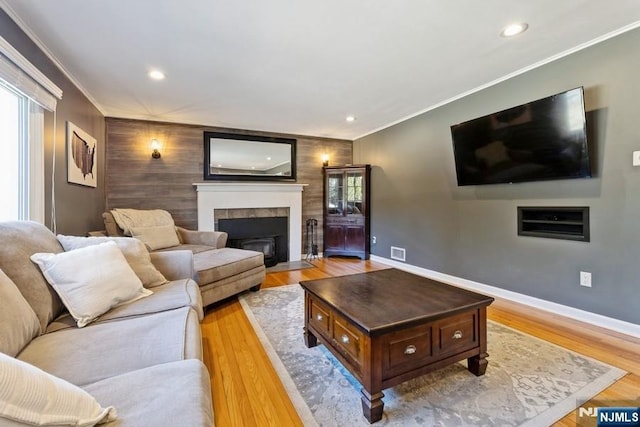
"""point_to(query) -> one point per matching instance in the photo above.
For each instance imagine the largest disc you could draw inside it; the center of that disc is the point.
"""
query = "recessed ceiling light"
(156, 75)
(514, 29)
(350, 119)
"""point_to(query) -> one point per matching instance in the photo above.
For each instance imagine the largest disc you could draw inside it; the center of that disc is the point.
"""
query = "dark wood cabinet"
(346, 211)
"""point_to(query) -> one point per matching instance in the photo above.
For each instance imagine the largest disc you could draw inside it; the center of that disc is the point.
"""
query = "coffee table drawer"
(406, 350)
(347, 338)
(320, 318)
(456, 334)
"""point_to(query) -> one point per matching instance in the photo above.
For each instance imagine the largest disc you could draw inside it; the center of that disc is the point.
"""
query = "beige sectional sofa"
(220, 271)
(143, 358)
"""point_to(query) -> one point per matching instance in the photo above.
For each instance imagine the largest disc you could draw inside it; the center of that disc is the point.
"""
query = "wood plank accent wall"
(135, 180)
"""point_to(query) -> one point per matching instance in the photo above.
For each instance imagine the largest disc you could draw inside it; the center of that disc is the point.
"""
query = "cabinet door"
(335, 194)
(354, 238)
(354, 193)
(334, 237)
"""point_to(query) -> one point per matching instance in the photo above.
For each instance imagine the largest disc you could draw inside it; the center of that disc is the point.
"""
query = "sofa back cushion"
(18, 323)
(133, 250)
(20, 240)
(159, 237)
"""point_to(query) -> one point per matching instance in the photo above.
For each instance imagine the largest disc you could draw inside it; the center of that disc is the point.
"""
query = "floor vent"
(398, 253)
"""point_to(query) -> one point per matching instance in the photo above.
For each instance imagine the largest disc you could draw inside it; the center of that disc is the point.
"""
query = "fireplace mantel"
(234, 195)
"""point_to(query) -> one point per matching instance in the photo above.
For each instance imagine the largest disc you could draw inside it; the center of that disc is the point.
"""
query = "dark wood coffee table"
(389, 326)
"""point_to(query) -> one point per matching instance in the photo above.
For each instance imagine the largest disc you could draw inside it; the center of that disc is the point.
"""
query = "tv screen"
(541, 140)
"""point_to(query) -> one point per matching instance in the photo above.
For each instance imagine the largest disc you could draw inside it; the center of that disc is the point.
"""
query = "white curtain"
(22, 76)
(18, 72)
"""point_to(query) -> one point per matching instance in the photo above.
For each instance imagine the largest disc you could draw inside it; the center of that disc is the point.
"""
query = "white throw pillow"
(91, 280)
(133, 250)
(160, 237)
(31, 396)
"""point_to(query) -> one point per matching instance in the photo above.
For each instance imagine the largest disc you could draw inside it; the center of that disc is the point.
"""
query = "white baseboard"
(564, 310)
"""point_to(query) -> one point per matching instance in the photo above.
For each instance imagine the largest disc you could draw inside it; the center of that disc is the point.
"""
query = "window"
(13, 153)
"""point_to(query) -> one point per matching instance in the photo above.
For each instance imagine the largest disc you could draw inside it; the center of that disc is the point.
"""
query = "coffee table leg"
(310, 340)
(372, 405)
(478, 364)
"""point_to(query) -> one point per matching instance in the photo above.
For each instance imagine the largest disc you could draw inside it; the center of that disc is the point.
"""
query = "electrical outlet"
(374, 240)
(636, 158)
(585, 279)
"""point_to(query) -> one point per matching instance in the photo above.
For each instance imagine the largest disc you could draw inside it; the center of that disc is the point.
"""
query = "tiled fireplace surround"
(252, 200)
(233, 213)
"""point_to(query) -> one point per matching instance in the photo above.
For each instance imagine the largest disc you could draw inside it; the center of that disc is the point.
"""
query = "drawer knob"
(410, 349)
(344, 339)
(457, 335)
(319, 317)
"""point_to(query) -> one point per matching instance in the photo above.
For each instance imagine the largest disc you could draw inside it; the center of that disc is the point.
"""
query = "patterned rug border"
(294, 394)
(548, 417)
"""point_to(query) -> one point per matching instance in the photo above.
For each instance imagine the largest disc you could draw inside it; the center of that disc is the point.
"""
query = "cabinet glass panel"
(335, 191)
(354, 195)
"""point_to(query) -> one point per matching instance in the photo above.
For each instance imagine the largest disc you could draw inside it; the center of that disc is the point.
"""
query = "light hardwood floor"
(247, 391)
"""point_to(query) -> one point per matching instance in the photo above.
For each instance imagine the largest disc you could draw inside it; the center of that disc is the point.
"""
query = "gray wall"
(78, 208)
(471, 232)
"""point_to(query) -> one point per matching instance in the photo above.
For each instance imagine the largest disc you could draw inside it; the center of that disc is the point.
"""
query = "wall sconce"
(155, 146)
(325, 160)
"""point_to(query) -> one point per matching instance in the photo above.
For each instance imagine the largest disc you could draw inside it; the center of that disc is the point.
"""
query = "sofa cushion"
(174, 265)
(20, 240)
(187, 247)
(91, 280)
(31, 396)
(105, 349)
(18, 323)
(225, 288)
(133, 250)
(157, 237)
(171, 295)
(218, 264)
(172, 394)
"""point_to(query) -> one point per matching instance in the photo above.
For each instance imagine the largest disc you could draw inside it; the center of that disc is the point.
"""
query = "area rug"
(289, 266)
(528, 382)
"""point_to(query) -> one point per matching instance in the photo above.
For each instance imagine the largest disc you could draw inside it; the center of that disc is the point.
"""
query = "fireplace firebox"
(268, 235)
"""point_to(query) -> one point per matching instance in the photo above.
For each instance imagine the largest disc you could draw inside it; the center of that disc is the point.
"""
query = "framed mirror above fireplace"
(238, 157)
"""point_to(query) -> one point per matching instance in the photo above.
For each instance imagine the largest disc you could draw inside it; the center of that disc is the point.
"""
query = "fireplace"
(219, 197)
(268, 235)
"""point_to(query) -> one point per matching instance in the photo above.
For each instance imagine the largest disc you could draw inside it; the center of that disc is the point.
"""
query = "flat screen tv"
(541, 140)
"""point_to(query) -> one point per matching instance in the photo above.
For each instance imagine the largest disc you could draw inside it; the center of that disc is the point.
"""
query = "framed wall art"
(82, 163)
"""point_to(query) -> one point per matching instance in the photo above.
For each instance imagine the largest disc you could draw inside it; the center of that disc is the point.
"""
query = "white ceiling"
(299, 66)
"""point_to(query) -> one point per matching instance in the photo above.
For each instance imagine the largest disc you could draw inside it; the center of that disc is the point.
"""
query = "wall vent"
(398, 253)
